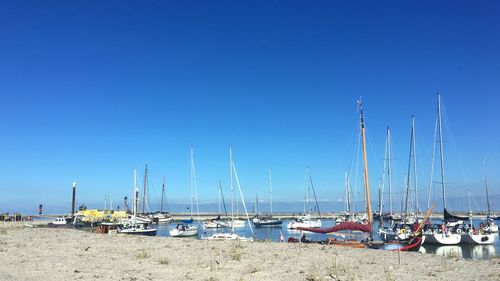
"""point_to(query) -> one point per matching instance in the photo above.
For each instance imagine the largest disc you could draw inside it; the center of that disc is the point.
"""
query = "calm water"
(273, 234)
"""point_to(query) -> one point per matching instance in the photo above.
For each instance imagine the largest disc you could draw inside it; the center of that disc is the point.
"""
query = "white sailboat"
(132, 226)
(188, 229)
(307, 221)
(231, 235)
(488, 223)
(471, 235)
(234, 221)
(218, 222)
(161, 217)
(268, 221)
(444, 234)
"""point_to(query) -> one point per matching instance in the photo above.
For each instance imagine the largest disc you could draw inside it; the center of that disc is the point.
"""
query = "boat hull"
(477, 239)
(270, 223)
(304, 224)
(443, 239)
(183, 233)
(146, 232)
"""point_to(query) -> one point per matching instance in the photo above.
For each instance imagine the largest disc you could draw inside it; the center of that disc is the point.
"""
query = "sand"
(67, 254)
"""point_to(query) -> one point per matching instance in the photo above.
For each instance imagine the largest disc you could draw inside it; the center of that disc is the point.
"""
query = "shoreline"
(282, 215)
(68, 254)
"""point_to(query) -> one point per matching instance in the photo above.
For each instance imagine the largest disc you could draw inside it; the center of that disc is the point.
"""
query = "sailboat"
(231, 235)
(143, 217)
(471, 235)
(444, 234)
(187, 229)
(234, 221)
(162, 217)
(217, 222)
(307, 221)
(346, 214)
(132, 226)
(365, 226)
(402, 231)
(488, 223)
(388, 152)
(269, 221)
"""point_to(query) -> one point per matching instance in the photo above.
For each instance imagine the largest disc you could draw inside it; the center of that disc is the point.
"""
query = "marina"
(249, 140)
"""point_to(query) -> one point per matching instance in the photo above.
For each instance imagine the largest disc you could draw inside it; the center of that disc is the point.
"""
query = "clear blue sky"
(90, 90)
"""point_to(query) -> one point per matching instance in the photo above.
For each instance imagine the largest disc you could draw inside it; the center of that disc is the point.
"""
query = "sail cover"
(353, 226)
(452, 218)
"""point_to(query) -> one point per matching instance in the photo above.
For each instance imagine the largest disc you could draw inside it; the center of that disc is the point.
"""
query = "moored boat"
(132, 226)
(184, 230)
(305, 221)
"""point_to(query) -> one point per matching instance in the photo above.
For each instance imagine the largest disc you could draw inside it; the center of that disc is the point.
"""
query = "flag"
(282, 238)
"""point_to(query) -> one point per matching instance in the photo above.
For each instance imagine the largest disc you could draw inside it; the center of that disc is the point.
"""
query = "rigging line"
(372, 150)
(383, 178)
(460, 162)
(344, 152)
(242, 199)
(151, 189)
(475, 202)
(355, 154)
(356, 178)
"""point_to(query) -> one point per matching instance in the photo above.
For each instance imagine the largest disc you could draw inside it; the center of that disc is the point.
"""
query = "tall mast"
(348, 196)
(365, 162)
(162, 193)
(432, 166)
(486, 187)
(407, 187)
(194, 186)
(308, 201)
(231, 181)
(191, 182)
(222, 197)
(136, 194)
(379, 200)
(382, 189)
(73, 200)
(145, 188)
(218, 198)
(389, 168)
(257, 201)
(314, 194)
(441, 151)
(415, 165)
(242, 199)
(271, 191)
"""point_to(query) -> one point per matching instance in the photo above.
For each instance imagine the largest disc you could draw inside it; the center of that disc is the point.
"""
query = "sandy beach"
(65, 254)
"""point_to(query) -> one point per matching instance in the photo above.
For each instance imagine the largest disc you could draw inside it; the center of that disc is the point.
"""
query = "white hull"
(136, 229)
(143, 219)
(165, 220)
(227, 236)
(190, 231)
(305, 224)
(237, 223)
(215, 224)
(443, 239)
(477, 239)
